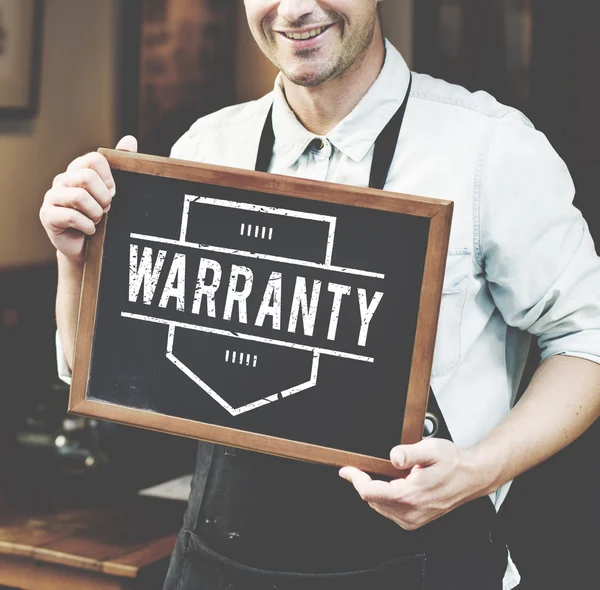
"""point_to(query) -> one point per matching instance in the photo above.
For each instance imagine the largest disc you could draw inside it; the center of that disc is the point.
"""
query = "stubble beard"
(348, 57)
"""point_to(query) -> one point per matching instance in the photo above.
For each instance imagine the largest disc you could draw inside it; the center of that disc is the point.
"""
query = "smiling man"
(314, 45)
(347, 109)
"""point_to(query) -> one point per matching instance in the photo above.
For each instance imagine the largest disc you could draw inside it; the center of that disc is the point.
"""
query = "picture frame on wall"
(20, 57)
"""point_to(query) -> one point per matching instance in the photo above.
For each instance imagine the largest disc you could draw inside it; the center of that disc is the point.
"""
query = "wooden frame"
(439, 214)
(21, 30)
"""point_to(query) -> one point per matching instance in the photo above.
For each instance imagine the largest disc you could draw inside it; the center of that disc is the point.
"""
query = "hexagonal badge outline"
(326, 265)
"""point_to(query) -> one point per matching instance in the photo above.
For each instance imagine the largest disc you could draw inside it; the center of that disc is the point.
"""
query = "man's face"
(313, 41)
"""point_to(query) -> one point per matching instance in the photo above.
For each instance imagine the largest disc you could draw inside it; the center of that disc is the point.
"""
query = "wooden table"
(120, 546)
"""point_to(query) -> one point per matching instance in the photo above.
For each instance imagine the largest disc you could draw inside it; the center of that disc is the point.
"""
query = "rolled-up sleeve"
(535, 247)
(64, 373)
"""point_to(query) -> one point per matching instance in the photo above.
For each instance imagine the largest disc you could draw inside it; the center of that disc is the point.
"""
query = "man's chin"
(308, 77)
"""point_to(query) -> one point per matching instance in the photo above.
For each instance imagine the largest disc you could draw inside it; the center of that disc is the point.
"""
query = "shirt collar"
(356, 133)
(291, 137)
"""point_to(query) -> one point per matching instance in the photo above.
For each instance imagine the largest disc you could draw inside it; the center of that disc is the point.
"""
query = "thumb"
(408, 456)
(128, 144)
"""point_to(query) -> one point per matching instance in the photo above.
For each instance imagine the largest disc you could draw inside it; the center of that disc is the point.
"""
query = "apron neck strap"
(385, 145)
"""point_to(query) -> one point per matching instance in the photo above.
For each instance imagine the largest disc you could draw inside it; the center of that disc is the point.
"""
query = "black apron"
(259, 522)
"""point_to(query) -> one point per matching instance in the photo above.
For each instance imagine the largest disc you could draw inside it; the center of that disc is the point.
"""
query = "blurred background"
(78, 74)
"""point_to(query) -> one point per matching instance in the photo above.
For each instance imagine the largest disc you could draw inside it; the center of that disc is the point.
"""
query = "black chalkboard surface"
(286, 316)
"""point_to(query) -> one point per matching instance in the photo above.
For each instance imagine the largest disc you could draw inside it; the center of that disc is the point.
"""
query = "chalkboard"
(286, 316)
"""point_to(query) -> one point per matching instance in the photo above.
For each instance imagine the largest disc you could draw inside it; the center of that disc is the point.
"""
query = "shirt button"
(317, 143)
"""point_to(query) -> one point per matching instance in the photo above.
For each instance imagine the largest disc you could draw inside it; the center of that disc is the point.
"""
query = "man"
(521, 263)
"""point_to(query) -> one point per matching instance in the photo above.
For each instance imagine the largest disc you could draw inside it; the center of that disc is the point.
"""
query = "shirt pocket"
(448, 351)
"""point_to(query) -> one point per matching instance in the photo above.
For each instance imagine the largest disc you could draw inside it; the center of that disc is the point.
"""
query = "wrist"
(485, 470)
(70, 274)
(70, 265)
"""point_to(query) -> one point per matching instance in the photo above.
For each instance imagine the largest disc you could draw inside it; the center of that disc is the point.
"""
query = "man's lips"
(303, 34)
(306, 37)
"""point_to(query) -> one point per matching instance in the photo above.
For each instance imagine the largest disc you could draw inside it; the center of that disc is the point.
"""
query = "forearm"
(561, 402)
(67, 303)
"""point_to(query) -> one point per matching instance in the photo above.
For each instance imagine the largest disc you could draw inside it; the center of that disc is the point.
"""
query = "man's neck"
(321, 108)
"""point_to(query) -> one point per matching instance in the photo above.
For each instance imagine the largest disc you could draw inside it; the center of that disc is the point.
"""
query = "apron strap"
(383, 156)
(385, 146)
(266, 145)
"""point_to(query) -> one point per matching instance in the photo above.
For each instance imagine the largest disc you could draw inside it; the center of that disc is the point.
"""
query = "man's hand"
(77, 201)
(560, 403)
(440, 478)
(72, 208)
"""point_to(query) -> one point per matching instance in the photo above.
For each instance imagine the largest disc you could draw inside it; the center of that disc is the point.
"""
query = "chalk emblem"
(253, 236)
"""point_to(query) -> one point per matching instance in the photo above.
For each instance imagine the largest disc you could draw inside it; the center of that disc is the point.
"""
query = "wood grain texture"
(429, 309)
(18, 572)
(21, 535)
(87, 315)
(129, 565)
(438, 211)
(232, 437)
(274, 184)
(121, 540)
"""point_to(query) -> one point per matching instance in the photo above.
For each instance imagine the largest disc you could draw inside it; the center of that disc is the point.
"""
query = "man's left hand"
(440, 478)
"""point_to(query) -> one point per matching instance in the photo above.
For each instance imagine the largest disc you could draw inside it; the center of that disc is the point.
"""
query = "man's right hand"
(77, 201)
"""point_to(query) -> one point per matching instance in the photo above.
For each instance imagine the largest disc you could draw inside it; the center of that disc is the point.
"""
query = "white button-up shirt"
(521, 259)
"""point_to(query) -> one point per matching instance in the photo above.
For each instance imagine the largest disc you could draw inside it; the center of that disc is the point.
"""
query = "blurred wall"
(398, 25)
(78, 108)
(77, 114)
(255, 73)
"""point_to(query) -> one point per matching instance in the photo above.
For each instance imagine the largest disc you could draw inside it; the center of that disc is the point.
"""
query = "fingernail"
(107, 209)
(113, 191)
(398, 458)
(343, 474)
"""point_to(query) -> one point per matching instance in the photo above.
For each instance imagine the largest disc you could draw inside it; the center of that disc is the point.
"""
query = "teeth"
(306, 35)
